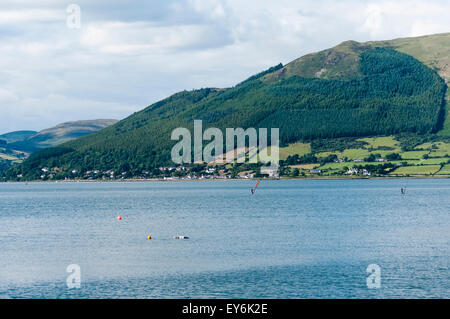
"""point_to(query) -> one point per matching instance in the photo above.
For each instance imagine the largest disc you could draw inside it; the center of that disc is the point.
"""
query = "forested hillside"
(387, 92)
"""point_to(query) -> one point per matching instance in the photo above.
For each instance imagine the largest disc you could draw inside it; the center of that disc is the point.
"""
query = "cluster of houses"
(96, 173)
(173, 169)
(356, 171)
(194, 177)
(166, 173)
(50, 173)
(186, 173)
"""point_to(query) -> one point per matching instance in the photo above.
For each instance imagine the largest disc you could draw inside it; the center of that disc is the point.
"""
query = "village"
(200, 172)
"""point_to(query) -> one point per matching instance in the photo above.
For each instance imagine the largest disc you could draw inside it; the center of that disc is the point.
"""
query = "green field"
(431, 161)
(296, 148)
(330, 172)
(355, 153)
(439, 154)
(325, 154)
(383, 141)
(337, 166)
(383, 153)
(443, 150)
(304, 166)
(413, 154)
(445, 170)
(416, 170)
(424, 146)
(409, 162)
(340, 166)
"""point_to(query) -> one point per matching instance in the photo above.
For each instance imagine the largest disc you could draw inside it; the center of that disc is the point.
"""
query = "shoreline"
(236, 179)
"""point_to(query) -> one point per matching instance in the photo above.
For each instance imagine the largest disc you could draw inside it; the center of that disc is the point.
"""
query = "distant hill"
(351, 90)
(16, 136)
(16, 146)
(28, 141)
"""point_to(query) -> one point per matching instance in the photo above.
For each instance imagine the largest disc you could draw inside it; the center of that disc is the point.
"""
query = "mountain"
(351, 90)
(16, 136)
(29, 141)
(16, 146)
(341, 62)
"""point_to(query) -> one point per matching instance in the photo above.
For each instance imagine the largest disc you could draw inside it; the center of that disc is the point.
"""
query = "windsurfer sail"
(253, 190)
(403, 189)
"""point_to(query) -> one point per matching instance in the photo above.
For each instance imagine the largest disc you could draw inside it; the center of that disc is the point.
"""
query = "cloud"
(30, 16)
(7, 96)
(150, 38)
(387, 19)
(129, 54)
(57, 109)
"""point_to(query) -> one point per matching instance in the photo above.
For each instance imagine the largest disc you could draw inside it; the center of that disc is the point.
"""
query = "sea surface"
(291, 239)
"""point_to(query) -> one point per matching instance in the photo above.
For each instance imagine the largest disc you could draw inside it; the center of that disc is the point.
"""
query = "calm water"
(292, 239)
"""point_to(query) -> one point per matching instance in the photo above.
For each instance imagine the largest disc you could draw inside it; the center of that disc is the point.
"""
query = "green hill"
(342, 61)
(352, 90)
(16, 146)
(26, 141)
(16, 136)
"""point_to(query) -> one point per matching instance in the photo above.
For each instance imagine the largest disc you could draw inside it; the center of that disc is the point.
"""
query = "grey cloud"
(129, 54)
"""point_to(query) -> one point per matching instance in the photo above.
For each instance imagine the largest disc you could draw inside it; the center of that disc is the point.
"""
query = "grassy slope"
(339, 62)
(445, 170)
(296, 148)
(7, 157)
(17, 136)
(432, 50)
(69, 130)
(59, 134)
(438, 153)
(417, 170)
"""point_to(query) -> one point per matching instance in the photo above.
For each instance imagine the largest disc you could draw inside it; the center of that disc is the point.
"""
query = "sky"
(121, 56)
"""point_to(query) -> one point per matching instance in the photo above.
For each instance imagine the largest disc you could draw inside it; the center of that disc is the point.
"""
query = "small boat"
(180, 237)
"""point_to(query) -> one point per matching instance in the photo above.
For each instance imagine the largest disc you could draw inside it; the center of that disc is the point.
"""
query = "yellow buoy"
(149, 237)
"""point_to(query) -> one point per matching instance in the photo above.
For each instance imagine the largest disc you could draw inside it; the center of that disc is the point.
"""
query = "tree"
(295, 172)
(393, 157)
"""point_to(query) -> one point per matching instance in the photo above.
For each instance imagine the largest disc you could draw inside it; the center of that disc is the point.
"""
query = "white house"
(269, 171)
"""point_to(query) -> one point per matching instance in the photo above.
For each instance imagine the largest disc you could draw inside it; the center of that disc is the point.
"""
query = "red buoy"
(119, 218)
